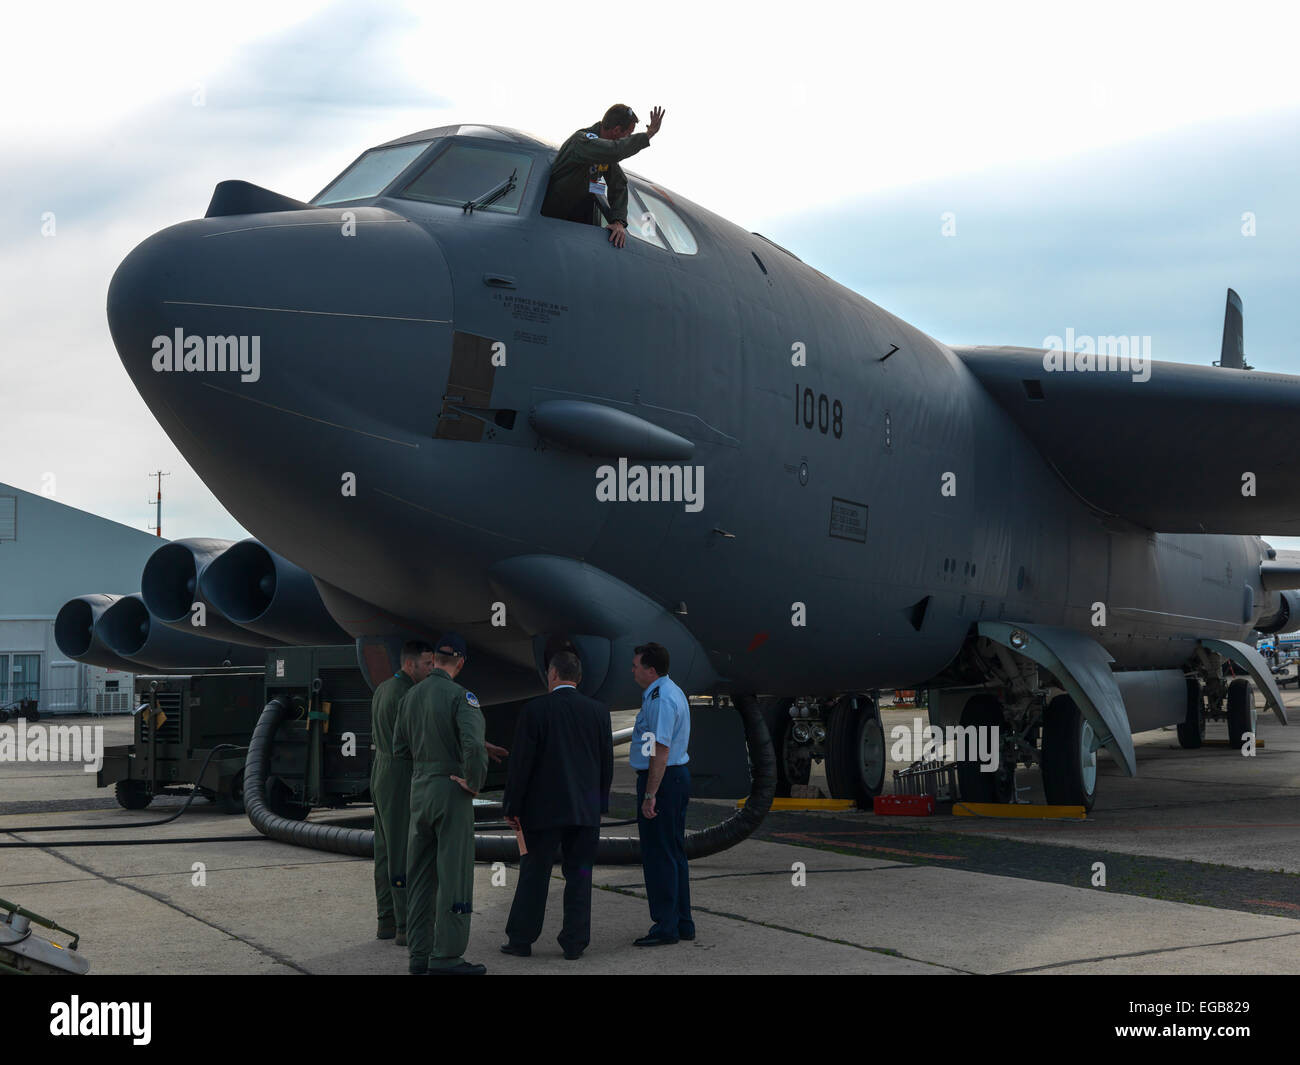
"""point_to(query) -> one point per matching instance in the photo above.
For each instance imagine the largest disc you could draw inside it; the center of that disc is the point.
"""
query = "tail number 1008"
(816, 410)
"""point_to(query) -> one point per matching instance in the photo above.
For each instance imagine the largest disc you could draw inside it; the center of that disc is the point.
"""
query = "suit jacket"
(562, 762)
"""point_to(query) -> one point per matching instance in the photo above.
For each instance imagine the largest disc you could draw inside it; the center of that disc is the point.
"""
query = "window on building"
(4, 679)
(8, 518)
(371, 174)
(466, 173)
(26, 677)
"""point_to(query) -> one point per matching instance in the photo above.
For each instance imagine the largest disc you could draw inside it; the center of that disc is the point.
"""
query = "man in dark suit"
(561, 768)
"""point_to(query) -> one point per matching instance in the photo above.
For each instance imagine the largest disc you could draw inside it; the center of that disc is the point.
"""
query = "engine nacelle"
(172, 583)
(130, 631)
(262, 592)
(74, 632)
(1287, 616)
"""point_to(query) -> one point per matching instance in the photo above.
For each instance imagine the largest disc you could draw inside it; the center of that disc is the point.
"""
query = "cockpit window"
(670, 224)
(371, 174)
(640, 223)
(466, 173)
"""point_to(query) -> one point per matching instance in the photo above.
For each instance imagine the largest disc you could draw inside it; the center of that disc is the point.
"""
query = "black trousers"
(663, 853)
(577, 847)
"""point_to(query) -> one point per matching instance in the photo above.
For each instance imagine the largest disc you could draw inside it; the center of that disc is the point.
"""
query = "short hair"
(566, 666)
(654, 655)
(445, 660)
(413, 649)
(619, 115)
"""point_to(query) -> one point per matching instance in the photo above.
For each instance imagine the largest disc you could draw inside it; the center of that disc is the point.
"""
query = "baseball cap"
(451, 643)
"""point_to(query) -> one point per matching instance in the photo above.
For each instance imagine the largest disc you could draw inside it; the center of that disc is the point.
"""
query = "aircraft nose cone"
(319, 317)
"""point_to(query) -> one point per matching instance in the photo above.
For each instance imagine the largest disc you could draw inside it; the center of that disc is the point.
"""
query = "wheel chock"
(1041, 811)
(807, 804)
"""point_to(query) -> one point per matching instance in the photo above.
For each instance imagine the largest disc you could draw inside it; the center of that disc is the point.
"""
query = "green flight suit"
(441, 730)
(584, 158)
(390, 790)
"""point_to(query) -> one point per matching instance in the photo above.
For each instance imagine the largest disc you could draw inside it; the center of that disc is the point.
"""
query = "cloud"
(1137, 239)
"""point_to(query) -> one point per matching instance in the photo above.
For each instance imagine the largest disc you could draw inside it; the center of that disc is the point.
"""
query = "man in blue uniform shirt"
(660, 738)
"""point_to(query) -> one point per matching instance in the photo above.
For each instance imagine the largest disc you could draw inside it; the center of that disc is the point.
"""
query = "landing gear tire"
(1069, 759)
(984, 711)
(132, 794)
(1241, 711)
(1191, 731)
(231, 799)
(776, 712)
(855, 750)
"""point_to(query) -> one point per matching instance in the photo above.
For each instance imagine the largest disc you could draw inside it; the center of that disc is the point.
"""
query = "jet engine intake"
(171, 587)
(1287, 616)
(130, 631)
(266, 594)
(75, 635)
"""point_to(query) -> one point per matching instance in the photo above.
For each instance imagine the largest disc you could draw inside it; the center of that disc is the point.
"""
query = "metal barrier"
(928, 778)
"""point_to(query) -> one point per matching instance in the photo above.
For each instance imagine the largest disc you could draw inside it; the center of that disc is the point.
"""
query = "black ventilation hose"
(612, 850)
(355, 841)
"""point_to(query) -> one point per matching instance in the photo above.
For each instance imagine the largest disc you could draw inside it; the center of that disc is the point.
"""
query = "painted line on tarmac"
(1273, 902)
(827, 840)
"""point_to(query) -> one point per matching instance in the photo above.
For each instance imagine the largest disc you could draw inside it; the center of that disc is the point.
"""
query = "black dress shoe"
(572, 955)
(465, 968)
(686, 936)
(652, 941)
(519, 950)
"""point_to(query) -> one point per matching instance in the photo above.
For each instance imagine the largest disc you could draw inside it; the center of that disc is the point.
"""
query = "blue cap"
(452, 643)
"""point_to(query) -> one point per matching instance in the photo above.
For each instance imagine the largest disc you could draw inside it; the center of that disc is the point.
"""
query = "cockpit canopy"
(488, 168)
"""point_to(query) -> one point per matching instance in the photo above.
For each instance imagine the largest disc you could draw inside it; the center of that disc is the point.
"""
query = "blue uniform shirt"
(667, 715)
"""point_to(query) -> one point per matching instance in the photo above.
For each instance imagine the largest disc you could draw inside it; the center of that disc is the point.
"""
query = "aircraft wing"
(1194, 449)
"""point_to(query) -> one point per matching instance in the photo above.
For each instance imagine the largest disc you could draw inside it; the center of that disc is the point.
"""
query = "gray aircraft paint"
(1053, 507)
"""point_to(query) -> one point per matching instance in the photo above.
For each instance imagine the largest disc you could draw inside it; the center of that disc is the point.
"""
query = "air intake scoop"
(241, 197)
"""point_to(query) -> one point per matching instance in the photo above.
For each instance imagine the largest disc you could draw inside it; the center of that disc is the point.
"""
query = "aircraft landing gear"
(794, 742)
(1191, 731)
(1241, 712)
(975, 785)
(845, 734)
(1069, 757)
(855, 750)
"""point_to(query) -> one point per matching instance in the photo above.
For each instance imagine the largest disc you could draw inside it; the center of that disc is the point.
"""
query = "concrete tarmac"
(815, 893)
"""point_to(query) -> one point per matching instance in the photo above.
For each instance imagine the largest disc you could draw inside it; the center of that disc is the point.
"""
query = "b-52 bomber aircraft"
(456, 413)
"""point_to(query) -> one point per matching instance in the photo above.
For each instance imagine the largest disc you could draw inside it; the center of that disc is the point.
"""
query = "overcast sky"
(1097, 165)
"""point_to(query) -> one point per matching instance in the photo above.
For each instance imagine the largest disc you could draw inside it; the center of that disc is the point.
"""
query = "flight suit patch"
(472, 699)
(461, 907)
